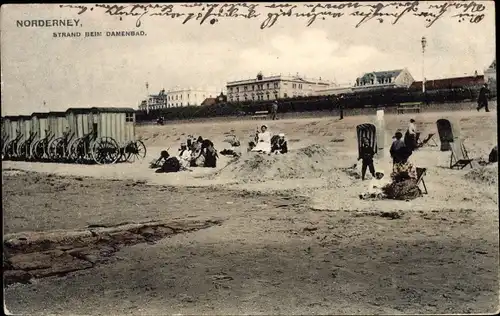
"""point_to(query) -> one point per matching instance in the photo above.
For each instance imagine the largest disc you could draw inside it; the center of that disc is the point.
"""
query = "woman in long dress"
(263, 141)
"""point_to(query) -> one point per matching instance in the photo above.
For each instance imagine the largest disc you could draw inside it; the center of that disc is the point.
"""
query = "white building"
(273, 88)
(188, 97)
(154, 101)
(383, 79)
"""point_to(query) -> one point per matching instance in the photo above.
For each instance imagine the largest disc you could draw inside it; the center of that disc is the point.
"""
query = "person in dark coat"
(279, 144)
(398, 149)
(366, 156)
(210, 154)
(482, 100)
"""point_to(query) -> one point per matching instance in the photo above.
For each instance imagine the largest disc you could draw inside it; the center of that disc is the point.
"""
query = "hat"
(183, 144)
(281, 135)
(264, 126)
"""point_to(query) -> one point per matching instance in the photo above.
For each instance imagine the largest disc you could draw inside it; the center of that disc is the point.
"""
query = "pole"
(424, 42)
(423, 71)
(147, 98)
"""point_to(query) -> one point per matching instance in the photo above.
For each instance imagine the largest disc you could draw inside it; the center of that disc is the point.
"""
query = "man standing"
(274, 109)
(482, 100)
(341, 106)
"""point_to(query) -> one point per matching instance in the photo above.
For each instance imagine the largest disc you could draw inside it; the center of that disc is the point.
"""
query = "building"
(400, 78)
(490, 75)
(221, 98)
(156, 101)
(450, 83)
(273, 87)
(188, 97)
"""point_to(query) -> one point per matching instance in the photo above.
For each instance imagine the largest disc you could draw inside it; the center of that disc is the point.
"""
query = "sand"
(295, 237)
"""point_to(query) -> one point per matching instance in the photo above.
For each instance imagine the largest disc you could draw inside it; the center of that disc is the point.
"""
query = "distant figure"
(482, 99)
(411, 136)
(341, 106)
(279, 145)
(160, 120)
(263, 141)
(274, 110)
(367, 154)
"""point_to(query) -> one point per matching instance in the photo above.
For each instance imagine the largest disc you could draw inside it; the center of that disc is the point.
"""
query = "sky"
(112, 71)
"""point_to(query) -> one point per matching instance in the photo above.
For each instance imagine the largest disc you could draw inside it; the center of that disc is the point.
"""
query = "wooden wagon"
(103, 135)
(9, 141)
(20, 127)
(5, 134)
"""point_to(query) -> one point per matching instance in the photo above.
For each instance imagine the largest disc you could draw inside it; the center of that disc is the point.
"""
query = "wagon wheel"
(18, 150)
(54, 151)
(27, 150)
(7, 151)
(39, 150)
(135, 151)
(21, 150)
(32, 149)
(71, 150)
(11, 149)
(124, 156)
(78, 150)
(105, 150)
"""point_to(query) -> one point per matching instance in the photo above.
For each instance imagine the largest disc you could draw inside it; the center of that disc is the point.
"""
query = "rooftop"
(382, 74)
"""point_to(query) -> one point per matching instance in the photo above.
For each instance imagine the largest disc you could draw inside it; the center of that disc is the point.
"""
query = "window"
(268, 85)
(285, 95)
(177, 97)
(245, 88)
(245, 97)
(253, 88)
(267, 95)
(276, 96)
(275, 85)
(188, 95)
(237, 89)
(253, 96)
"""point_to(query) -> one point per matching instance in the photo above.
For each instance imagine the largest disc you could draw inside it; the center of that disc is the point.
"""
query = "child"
(367, 154)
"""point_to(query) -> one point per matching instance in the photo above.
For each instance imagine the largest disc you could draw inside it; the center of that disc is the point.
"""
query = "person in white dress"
(184, 156)
(263, 141)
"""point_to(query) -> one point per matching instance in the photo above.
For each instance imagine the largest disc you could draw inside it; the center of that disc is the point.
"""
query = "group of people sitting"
(403, 178)
(192, 153)
(264, 142)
